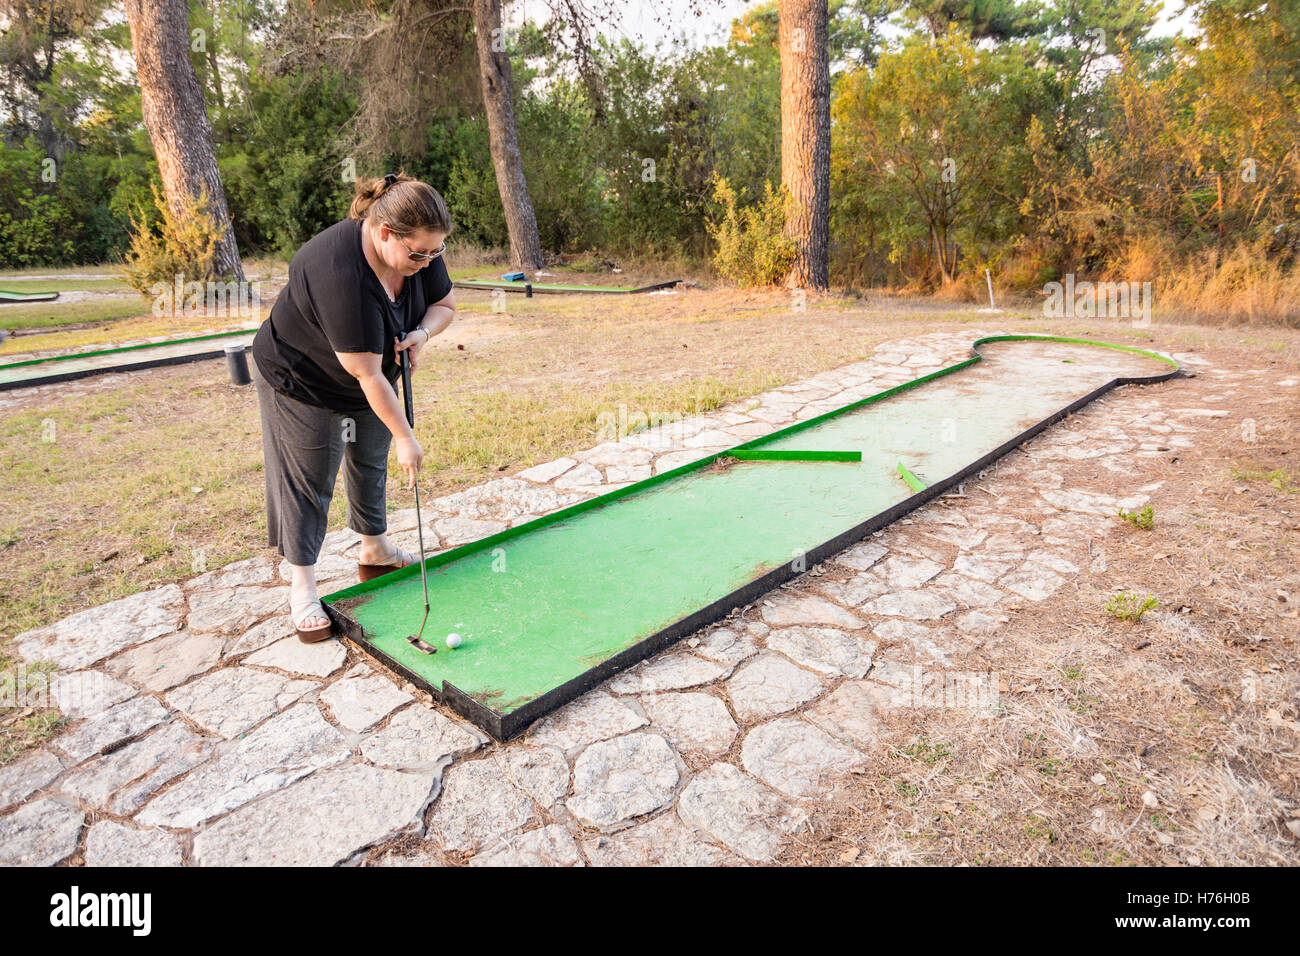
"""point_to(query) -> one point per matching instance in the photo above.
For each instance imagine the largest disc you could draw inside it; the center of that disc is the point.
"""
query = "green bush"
(753, 249)
(36, 228)
(281, 164)
(183, 245)
(472, 195)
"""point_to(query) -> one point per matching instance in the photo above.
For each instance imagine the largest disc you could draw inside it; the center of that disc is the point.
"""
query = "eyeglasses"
(421, 256)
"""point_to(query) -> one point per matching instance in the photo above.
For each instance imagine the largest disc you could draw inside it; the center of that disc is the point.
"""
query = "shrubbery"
(36, 226)
(980, 146)
(183, 245)
(753, 249)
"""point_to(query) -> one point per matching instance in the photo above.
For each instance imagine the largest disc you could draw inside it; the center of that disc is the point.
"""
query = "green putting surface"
(541, 604)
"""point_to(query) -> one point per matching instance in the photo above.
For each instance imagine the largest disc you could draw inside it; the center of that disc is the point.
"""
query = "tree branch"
(385, 27)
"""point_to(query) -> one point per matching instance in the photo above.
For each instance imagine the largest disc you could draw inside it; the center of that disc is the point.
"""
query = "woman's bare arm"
(439, 315)
(367, 369)
(436, 319)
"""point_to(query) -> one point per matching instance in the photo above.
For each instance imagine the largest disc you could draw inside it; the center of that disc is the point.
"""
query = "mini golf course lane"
(530, 287)
(73, 365)
(551, 607)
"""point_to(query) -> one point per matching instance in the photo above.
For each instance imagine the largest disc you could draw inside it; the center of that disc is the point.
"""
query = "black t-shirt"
(334, 302)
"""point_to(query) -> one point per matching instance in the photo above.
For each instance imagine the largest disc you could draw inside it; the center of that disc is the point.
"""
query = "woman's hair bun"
(405, 203)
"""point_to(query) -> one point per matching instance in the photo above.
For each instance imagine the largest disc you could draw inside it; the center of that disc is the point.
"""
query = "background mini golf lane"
(502, 284)
(545, 286)
(35, 369)
(543, 608)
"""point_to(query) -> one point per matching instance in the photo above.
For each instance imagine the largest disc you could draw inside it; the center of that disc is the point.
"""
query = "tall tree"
(929, 152)
(36, 33)
(415, 59)
(175, 115)
(494, 70)
(806, 136)
(980, 19)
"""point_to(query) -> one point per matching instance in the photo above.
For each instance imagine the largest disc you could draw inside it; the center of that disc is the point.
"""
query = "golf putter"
(416, 640)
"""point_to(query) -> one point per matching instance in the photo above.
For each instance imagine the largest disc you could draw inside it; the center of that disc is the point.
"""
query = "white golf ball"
(453, 640)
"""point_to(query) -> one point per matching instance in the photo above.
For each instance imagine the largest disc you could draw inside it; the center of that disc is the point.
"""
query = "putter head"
(421, 646)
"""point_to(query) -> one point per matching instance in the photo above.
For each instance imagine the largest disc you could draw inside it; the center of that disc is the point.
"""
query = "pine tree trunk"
(806, 137)
(174, 114)
(494, 70)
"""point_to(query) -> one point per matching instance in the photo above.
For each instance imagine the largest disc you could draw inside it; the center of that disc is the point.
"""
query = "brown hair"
(404, 202)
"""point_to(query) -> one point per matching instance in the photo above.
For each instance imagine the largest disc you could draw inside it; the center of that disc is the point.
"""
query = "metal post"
(237, 364)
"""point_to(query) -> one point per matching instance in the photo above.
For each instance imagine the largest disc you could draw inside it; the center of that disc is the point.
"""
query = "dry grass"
(107, 270)
(1247, 286)
(463, 257)
(105, 312)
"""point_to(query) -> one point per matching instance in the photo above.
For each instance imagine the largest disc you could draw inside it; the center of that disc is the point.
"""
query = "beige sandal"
(301, 610)
(368, 572)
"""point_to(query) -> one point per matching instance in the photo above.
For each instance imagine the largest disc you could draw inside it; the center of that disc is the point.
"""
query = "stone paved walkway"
(205, 733)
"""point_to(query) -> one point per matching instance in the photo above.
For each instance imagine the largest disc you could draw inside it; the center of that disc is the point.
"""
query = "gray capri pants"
(302, 446)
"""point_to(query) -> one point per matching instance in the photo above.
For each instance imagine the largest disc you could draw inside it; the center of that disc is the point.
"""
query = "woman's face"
(393, 249)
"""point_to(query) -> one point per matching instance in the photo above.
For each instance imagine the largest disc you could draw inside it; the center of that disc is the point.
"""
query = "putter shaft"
(424, 572)
(419, 521)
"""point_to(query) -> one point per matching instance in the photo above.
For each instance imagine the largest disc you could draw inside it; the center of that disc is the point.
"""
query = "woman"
(326, 369)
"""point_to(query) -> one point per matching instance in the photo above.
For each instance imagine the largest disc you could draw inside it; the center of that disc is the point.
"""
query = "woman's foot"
(376, 559)
(308, 617)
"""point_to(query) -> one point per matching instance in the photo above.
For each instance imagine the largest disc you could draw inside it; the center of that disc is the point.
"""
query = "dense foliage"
(1030, 138)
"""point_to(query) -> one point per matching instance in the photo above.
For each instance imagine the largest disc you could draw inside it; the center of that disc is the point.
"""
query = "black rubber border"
(133, 367)
(502, 727)
(129, 367)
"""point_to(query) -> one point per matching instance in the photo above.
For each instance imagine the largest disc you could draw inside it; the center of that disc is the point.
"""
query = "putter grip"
(406, 389)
